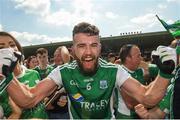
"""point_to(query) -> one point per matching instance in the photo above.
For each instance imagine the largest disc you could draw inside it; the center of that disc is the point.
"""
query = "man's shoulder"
(31, 71)
(139, 70)
(71, 65)
(36, 68)
(104, 64)
(49, 67)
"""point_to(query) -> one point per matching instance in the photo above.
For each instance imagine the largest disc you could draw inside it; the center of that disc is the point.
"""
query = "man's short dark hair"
(41, 51)
(125, 51)
(84, 27)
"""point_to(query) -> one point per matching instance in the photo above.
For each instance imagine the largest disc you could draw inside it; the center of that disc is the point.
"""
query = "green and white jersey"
(29, 78)
(165, 103)
(137, 74)
(153, 70)
(90, 96)
(45, 72)
(172, 93)
(121, 110)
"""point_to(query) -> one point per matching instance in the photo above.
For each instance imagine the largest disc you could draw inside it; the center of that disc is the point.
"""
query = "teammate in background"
(165, 108)
(25, 76)
(58, 108)
(44, 68)
(130, 56)
(61, 56)
(131, 61)
(31, 62)
(111, 57)
(89, 80)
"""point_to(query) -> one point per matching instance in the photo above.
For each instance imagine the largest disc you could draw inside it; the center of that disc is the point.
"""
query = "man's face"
(86, 50)
(57, 57)
(42, 59)
(135, 57)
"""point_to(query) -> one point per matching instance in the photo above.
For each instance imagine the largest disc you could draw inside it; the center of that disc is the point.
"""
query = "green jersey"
(153, 70)
(165, 103)
(172, 93)
(44, 72)
(90, 96)
(30, 78)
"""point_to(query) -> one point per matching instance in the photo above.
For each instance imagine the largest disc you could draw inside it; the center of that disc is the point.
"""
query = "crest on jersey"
(77, 97)
(103, 84)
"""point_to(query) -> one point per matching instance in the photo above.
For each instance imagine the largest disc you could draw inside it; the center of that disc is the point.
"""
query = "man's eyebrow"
(11, 42)
(80, 43)
(1, 43)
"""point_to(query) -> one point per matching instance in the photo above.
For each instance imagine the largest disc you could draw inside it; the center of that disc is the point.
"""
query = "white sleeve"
(121, 76)
(55, 75)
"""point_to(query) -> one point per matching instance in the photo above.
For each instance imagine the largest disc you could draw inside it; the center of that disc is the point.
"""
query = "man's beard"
(87, 72)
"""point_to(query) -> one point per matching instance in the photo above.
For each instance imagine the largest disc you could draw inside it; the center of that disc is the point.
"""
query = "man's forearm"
(156, 113)
(20, 94)
(14, 116)
(155, 92)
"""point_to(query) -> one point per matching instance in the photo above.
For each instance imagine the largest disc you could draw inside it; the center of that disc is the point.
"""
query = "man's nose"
(88, 50)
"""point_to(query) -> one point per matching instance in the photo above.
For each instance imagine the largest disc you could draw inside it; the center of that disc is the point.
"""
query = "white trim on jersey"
(121, 76)
(56, 76)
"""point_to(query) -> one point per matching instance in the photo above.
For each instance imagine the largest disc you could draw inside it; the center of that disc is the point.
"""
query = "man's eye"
(94, 45)
(81, 46)
(13, 45)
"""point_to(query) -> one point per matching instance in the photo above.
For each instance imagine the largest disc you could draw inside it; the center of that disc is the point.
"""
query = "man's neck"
(129, 67)
(42, 67)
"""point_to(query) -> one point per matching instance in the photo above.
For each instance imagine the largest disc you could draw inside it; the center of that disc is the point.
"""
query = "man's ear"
(100, 46)
(72, 48)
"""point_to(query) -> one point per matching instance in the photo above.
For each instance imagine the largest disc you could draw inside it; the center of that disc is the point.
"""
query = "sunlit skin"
(134, 59)
(57, 57)
(86, 51)
(132, 63)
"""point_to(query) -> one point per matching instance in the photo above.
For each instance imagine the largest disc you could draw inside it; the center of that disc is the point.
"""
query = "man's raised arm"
(152, 94)
(28, 97)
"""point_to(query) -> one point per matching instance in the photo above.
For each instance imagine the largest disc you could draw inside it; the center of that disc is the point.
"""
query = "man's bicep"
(44, 88)
(134, 88)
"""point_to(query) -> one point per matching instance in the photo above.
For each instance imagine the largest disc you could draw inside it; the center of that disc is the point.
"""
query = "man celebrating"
(90, 81)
